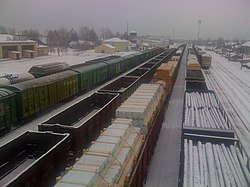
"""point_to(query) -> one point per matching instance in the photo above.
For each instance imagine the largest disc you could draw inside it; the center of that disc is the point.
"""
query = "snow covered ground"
(234, 83)
(71, 57)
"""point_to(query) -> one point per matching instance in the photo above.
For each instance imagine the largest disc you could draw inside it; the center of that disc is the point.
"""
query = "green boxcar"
(8, 114)
(114, 66)
(129, 61)
(91, 75)
(36, 95)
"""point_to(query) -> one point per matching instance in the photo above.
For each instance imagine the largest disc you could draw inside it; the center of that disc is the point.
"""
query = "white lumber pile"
(142, 105)
(214, 165)
(202, 110)
(109, 160)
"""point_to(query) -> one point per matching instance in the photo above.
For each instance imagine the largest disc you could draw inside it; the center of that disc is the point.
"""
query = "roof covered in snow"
(247, 44)
(6, 37)
(145, 44)
(115, 40)
(109, 46)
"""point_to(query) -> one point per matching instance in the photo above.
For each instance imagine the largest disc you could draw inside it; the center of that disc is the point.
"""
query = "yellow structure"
(105, 48)
(120, 45)
(21, 49)
(42, 50)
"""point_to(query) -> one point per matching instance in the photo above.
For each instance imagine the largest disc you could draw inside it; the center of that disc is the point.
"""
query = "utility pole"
(127, 30)
(173, 34)
(198, 35)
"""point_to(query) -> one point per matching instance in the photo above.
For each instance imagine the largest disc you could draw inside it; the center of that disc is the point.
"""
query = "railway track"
(233, 92)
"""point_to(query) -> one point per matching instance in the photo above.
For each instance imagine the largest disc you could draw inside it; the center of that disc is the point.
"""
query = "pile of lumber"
(109, 160)
(142, 105)
(175, 58)
(193, 64)
(210, 164)
(202, 110)
(167, 73)
(192, 57)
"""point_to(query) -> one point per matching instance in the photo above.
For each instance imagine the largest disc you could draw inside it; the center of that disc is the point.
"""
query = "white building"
(120, 45)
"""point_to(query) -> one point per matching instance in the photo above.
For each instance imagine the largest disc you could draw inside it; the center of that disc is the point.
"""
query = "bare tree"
(32, 34)
(84, 33)
(73, 35)
(3, 30)
(106, 33)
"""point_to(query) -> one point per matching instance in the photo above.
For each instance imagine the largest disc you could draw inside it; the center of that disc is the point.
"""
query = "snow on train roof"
(72, 58)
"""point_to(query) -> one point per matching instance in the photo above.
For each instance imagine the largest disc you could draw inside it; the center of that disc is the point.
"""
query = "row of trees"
(60, 39)
(84, 39)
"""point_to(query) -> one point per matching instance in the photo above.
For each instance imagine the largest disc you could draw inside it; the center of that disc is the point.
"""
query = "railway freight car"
(34, 96)
(213, 161)
(84, 120)
(48, 69)
(206, 61)
(91, 75)
(203, 58)
(127, 84)
(8, 109)
(119, 157)
(33, 159)
(123, 86)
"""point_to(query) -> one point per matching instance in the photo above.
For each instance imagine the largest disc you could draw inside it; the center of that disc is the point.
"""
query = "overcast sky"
(226, 18)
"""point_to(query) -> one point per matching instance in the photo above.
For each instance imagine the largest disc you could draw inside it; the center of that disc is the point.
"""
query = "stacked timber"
(109, 160)
(201, 100)
(166, 72)
(192, 57)
(202, 110)
(142, 105)
(193, 64)
(175, 58)
(214, 164)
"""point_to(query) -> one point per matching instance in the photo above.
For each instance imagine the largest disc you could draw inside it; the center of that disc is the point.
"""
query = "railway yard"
(162, 117)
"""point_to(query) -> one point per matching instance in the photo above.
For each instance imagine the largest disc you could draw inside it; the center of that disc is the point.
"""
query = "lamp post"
(198, 35)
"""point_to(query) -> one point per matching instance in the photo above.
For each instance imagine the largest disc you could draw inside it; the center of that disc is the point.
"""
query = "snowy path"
(164, 167)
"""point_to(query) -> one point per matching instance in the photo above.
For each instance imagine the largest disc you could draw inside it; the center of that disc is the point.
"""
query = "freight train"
(194, 74)
(204, 59)
(23, 100)
(78, 126)
(209, 141)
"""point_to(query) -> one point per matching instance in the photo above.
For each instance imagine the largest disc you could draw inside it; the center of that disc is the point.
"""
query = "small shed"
(105, 48)
(15, 55)
(28, 54)
(42, 50)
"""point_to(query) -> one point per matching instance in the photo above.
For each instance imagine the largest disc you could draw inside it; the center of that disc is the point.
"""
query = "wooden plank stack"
(109, 160)
(141, 106)
(165, 73)
(193, 65)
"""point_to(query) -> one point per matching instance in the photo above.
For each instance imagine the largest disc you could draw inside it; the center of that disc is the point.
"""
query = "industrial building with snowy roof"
(17, 49)
(105, 48)
(119, 44)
